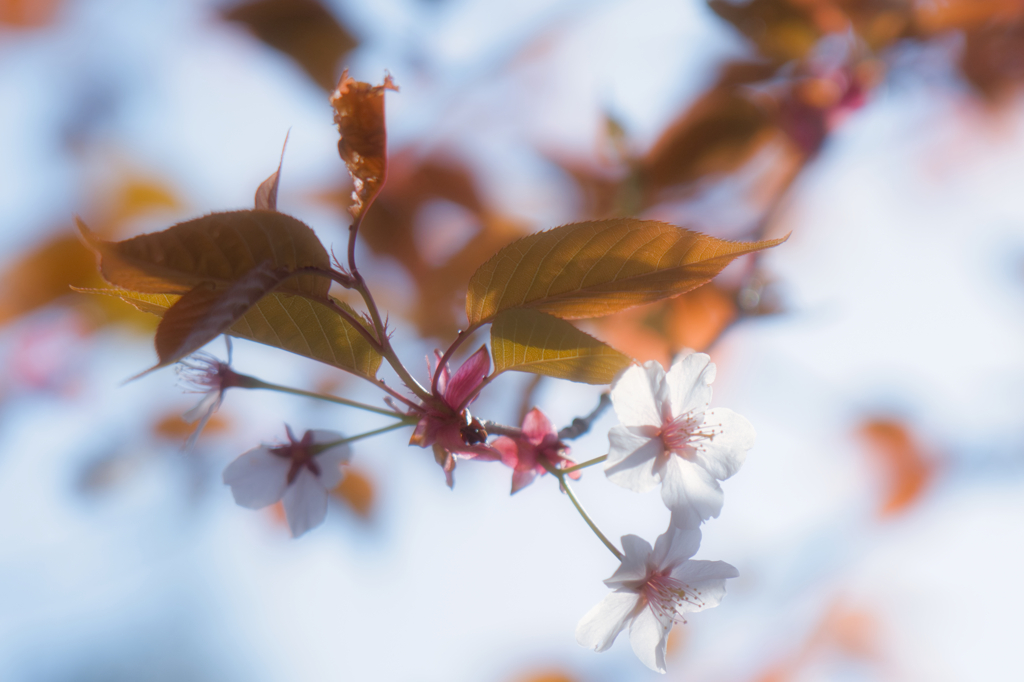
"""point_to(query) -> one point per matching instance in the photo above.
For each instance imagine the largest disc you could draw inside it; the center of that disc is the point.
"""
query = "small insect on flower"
(300, 474)
(445, 422)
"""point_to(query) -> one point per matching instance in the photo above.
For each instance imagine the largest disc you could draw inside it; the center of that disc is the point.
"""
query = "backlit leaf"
(359, 114)
(206, 312)
(218, 248)
(596, 268)
(526, 340)
(293, 323)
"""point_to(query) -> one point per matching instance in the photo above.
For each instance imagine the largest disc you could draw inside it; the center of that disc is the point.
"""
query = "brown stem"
(463, 335)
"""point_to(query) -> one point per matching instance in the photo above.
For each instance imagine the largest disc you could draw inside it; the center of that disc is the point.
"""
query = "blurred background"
(876, 523)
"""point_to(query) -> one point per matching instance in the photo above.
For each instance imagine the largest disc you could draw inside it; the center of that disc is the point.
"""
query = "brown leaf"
(266, 193)
(717, 134)
(219, 248)
(292, 323)
(207, 311)
(781, 30)
(526, 340)
(301, 29)
(599, 267)
(359, 114)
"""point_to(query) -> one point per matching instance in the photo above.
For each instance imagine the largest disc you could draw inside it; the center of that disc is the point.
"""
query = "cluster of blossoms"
(266, 276)
(667, 436)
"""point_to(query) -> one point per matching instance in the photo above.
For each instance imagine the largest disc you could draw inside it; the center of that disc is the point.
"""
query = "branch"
(580, 425)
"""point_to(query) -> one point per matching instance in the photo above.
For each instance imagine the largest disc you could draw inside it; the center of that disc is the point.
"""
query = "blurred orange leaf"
(696, 319)
(218, 248)
(28, 13)
(302, 29)
(356, 491)
(526, 340)
(547, 676)
(717, 134)
(391, 229)
(359, 114)
(599, 267)
(44, 274)
(172, 427)
(906, 468)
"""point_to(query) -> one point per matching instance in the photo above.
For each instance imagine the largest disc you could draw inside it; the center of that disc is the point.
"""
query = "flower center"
(669, 597)
(684, 432)
(298, 452)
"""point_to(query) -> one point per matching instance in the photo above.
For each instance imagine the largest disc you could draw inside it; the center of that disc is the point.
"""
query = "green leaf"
(597, 268)
(526, 340)
(219, 248)
(296, 324)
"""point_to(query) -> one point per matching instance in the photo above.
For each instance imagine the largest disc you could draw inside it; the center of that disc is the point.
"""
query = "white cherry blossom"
(669, 436)
(299, 474)
(651, 591)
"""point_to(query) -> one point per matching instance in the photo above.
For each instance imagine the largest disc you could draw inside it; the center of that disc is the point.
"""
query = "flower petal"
(649, 636)
(204, 408)
(723, 454)
(508, 449)
(257, 478)
(707, 577)
(602, 624)
(689, 380)
(690, 492)
(639, 394)
(632, 459)
(522, 478)
(536, 426)
(331, 459)
(636, 552)
(675, 546)
(461, 386)
(305, 503)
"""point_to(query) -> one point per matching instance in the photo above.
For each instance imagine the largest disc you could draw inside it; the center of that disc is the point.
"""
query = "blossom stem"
(584, 465)
(316, 449)
(560, 474)
(383, 343)
(253, 382)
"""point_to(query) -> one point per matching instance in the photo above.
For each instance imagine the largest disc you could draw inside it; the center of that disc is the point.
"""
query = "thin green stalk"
(588, 463)
(560, 475)
(376, 432)
(253, 382)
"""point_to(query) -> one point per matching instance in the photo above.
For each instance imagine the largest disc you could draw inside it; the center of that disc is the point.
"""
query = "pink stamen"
(686, 432)
(668, 596)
